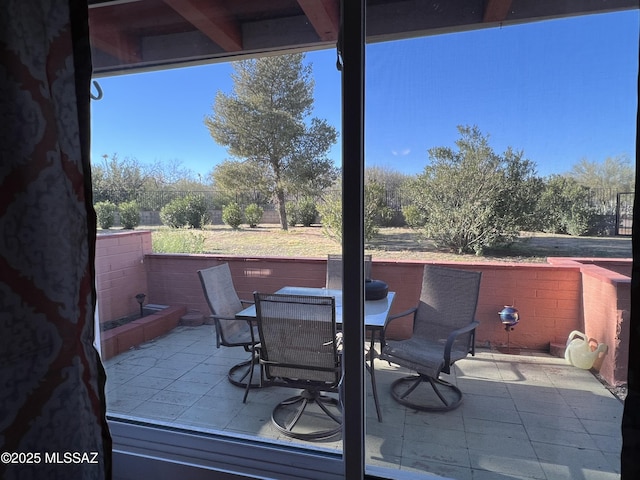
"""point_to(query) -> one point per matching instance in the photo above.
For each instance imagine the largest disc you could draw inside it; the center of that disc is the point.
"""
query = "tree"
(118, 180)
(265, 121)
(392, 180)
(471, 198)
(235, 179)
(171, 174)
(614, 173)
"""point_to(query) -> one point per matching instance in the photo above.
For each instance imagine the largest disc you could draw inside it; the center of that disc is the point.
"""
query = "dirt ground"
(404, 243)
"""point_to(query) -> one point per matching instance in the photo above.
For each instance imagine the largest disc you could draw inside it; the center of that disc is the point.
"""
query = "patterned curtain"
(52, 406)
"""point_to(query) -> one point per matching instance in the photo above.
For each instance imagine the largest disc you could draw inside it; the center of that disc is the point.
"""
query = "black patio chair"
(443, 332)
(299, 349)
(224, 303)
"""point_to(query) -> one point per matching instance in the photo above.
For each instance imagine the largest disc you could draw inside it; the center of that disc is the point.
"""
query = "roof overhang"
(137, 35)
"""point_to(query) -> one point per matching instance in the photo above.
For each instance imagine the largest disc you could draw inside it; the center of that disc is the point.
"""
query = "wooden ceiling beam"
(212, 20)
(324, 16)
(496, 10)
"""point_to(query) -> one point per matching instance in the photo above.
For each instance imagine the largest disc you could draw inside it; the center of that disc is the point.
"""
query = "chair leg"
(250, 382)
(287, 421)
(402, 389)
(374, 388)
(238, 375)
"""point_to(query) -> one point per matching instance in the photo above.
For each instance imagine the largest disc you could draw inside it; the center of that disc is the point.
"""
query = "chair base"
(289, 416)
(445, 396)
(239, 374)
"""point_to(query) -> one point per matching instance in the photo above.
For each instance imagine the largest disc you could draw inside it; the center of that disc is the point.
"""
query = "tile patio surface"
(523, 417)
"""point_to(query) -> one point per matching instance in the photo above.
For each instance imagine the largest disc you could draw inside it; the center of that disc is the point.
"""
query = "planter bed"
(122, 338)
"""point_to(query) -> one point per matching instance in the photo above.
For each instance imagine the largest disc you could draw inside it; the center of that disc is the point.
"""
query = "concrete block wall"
(606, 303)
(553, 298)
(547, 296)
(120, 272)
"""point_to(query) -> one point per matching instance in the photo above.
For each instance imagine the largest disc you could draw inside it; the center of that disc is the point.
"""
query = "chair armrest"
(452, 337)
(221, 317)
(392, 318)
(246, 303)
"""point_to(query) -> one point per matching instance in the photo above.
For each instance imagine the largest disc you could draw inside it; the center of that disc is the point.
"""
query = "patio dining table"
(375, 316)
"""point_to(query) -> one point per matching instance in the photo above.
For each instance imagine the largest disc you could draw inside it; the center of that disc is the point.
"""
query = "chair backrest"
(223, 301)
(334, 271)
(298, 337)
(448, 301)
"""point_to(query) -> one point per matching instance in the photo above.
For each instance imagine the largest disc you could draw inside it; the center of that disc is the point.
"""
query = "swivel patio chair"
(443, 333)
(299, 348)
(224, 303)
(334, 271)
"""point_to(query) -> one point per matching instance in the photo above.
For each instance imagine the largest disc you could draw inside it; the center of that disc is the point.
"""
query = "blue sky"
(560, 90)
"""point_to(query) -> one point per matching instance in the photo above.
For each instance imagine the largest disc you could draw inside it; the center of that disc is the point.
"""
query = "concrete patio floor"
(523, 417)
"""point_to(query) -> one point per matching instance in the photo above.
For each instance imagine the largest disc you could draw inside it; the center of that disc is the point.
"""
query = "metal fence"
(624, 213)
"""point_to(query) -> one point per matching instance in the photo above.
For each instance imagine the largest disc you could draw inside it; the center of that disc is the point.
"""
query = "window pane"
(446, 116)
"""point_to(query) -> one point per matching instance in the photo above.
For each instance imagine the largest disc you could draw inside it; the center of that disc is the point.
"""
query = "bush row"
(129, 214)
(561, 208)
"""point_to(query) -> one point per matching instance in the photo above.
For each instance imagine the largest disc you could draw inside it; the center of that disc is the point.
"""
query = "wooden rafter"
(496, 10)
(324, 16)
(212, 20)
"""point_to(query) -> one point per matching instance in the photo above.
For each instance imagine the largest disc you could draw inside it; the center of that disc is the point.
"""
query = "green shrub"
(232, 215)
(105, 213)
(178, 241)
(173, 214)
(331, 216)
(253, 215)
(188, 211)
(306, 212)
(473, 198)
(414, 217)
(330, 212)
(196, 210)
(292, 213)
(129, 215)
(564, 207)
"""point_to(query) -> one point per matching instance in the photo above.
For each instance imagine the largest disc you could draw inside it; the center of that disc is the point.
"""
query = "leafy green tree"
(241, 182)
(472, 198)
(265, 121)
(615, 173)
(118, 180)
(172, 175)
(392, 180)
